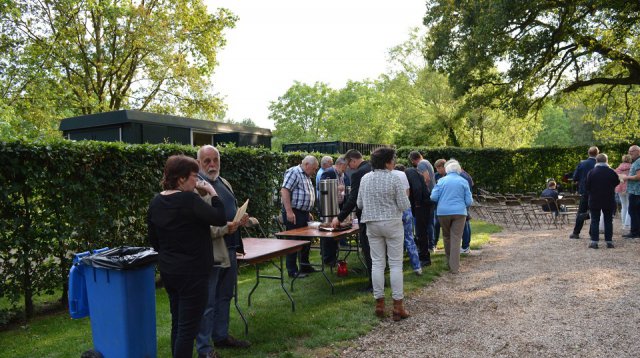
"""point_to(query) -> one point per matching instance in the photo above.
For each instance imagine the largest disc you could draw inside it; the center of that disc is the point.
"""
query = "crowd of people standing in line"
(395, 207)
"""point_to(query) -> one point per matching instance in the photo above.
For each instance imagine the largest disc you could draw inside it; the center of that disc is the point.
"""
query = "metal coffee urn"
(328, 199)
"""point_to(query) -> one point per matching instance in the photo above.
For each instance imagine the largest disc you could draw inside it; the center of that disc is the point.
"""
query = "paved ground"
(526, 294)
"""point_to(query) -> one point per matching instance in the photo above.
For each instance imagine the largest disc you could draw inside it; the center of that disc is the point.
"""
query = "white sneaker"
(418, 272)
(465, 251)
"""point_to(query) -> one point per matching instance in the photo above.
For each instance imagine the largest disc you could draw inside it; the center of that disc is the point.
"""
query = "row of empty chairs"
(521, 211)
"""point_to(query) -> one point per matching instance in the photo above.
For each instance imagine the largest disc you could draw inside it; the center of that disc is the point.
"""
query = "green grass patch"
(321, 325)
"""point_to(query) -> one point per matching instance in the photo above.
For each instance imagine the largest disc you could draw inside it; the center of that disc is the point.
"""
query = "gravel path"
(525, 294)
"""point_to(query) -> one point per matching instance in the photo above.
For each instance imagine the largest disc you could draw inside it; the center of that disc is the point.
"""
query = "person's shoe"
(574, 236)
(425, 263)
(308, 269)
(465, 251)
(593, 245)
(380, 307)
(399, 311)
(629, 236)
(231, 342)
(610, 245)
(418, 272)
(298, 274)
(210, 354)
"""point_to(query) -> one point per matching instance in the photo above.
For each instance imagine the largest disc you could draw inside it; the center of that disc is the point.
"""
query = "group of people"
(391, 204)
(598, 185)
(196, 207)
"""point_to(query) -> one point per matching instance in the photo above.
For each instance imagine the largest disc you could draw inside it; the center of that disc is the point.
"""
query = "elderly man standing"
(580, 177)
(330, 247)
(633, 189)
(215, 321)
(298, 198)
(601, 186)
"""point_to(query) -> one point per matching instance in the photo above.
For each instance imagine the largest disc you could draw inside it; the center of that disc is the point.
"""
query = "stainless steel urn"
(328, 199)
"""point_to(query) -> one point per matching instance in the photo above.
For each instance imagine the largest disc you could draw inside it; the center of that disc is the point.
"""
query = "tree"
(545, 47)
(76, 57)
(556, 128)
(300, 114)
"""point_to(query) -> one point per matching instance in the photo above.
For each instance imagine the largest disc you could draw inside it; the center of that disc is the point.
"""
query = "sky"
(277, 42)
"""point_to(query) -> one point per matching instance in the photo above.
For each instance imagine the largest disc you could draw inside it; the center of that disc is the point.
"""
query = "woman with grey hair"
(453, 195)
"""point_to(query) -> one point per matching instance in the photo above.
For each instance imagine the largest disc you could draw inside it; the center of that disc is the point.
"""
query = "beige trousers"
(452, 228)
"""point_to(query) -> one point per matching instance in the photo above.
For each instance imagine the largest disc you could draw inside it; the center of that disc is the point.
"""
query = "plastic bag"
(122, 258)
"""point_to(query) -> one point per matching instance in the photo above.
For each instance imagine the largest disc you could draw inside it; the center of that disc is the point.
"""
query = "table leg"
(235, 302)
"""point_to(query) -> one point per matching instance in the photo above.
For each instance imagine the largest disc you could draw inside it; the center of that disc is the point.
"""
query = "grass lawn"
(321, 325)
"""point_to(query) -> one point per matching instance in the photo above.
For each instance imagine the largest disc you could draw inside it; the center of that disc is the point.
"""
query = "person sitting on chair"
(551, 193)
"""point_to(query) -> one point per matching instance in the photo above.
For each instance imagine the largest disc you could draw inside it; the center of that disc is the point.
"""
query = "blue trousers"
(466, 235)
(215, 320)
(409, 243)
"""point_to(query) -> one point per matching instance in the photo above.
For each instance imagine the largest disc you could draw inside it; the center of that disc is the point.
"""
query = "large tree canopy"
(86, 56)
(542, 47)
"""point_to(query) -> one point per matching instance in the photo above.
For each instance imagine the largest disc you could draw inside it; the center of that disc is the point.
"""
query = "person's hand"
(310, 217)
(244, 220)
(232, 227)
(291, 218)
(205, 187)
(335, 223)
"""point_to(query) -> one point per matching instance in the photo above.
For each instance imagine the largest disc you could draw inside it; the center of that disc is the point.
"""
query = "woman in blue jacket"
(453, 195)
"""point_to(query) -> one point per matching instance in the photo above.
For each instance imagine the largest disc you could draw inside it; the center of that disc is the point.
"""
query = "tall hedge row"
(62, 197)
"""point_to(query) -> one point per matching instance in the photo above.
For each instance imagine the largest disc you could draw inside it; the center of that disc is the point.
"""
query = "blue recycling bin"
(119, 297)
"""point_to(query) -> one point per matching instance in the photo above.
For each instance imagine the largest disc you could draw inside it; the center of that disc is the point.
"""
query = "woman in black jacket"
(178, 226)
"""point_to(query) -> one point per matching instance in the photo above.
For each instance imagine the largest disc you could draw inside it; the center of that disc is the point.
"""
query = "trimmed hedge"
(62, 197)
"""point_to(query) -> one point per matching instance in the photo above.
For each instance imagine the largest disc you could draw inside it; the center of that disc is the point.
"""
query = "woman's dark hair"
(176, 167)
(382, 156)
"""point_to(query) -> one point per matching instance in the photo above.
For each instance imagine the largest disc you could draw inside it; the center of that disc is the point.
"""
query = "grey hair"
(326, 161)
(341, 160)
(452, 166)
(207, 147)
(310, 159)
(601, 158)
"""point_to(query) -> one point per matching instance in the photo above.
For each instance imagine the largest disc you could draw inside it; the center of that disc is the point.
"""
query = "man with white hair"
(214, 325)
(298, 198)
(633, 189)
(601, 185)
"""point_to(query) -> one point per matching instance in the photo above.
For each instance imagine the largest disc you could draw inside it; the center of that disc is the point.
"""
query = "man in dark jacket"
(580, 177)
(600, 185)
(419, 197)
(361, 167)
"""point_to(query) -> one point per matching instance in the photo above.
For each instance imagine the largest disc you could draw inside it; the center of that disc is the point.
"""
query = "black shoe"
(593, 245)
(425, 263)
(574, 236)
(367, 289)
(308, 269)
(629, 236)
(231, 342)
(298, 274)
(610, 245)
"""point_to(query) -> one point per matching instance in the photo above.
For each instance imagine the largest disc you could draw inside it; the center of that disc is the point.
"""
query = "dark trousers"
(436, 232)
(634, 213)
(583, 210)
(366, 250)
(430, 228)
(421, 214)
(466, 234)
(188, 296)
(302, 217)
(607, 214)
(329, 250)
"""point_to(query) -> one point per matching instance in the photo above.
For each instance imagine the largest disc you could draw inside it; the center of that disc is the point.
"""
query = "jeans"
(466, 235)
(302, 217)
(187, 300)
(409, 243)
(386, 241)
(634, 213)
(215, 321)
(583, 210)
(607, 214)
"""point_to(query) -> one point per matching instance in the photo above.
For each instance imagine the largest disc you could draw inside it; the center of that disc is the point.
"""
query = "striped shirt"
(381, 196)
(303, 195)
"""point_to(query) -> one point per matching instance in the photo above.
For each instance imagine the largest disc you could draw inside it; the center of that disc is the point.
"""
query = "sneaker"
(297, 274)
(574, 236)
(466, 251)
(610, 245)
(231, 342)
(418, 272)
(593, 245)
